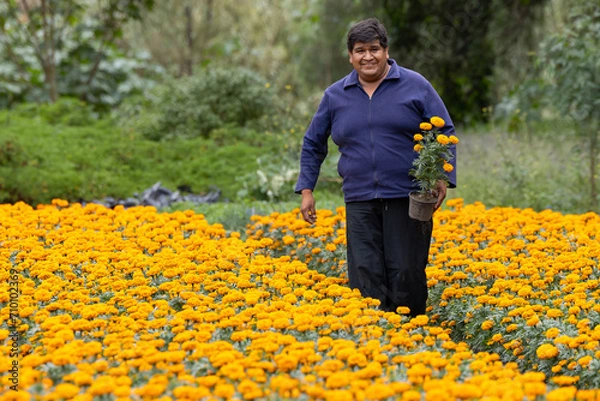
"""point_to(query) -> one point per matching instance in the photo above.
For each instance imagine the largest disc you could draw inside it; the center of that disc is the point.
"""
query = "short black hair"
(366, 31)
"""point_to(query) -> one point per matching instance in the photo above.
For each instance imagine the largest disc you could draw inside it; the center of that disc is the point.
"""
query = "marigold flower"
(488, 324)
(448, 167)
(418, 137)
(418, 147)
(546, 351)
(437, 121)
(425, 126)
(443, 139)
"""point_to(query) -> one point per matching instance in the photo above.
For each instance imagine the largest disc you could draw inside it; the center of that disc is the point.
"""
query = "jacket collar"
(394, 73)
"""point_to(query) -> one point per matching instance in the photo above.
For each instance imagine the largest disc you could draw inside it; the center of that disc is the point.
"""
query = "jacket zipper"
(373, 151)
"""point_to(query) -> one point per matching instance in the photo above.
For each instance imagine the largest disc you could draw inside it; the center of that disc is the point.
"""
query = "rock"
(161, 197)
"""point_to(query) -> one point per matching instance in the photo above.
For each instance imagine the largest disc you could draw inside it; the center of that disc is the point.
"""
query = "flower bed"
(134, 304)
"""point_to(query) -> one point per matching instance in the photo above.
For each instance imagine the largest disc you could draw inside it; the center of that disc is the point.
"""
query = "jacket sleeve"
(314, 147)
(433, 105)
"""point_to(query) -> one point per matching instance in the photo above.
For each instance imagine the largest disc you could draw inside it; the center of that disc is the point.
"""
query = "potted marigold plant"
(430, 166)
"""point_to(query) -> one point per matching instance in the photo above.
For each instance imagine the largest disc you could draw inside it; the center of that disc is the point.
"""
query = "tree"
(457, 44)
(42, 38)
(569, 63)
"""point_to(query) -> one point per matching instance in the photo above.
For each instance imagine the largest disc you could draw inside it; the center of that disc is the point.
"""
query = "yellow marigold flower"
(443, 139)
(425, 126)
(552, 332)
(488, 324)
(337, 380)
(418, 137)
(224, 390)
(285, 362)
(532, 390)
(250, 390)
(566, 381)
(281, 323)
(66, 390)
(420, 320)
(466, 391)
(587, 395)
(533, 320)
(554, 313)
(379, 391)
(546, 351)
(403, 310)
(437, 121)
(448, 167)
(411, 395)
(418, 147)
(453, 139)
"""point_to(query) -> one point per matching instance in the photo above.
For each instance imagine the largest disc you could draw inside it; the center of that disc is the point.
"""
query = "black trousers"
(387, 253)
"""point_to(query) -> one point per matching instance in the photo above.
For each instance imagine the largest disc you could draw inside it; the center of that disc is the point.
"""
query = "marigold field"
(132, 304)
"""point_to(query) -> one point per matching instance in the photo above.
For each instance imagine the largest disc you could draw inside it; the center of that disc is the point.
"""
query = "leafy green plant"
(41, 161)
(564, 84)
(194, 106)
(69, 48)
(432, 164)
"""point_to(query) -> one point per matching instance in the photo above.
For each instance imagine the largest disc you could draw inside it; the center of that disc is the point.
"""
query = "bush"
(194, 106)
(65, 111)
(41, 161)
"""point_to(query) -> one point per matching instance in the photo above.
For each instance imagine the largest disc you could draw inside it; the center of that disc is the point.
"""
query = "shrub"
(194, 106)
(65, 111)
(41, 161)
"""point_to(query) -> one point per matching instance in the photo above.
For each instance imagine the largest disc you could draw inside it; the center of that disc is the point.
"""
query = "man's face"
(369, 60)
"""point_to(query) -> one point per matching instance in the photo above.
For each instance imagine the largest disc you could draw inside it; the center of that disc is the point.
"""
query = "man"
(372, 115)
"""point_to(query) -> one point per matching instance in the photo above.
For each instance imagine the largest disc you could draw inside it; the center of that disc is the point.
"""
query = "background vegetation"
(105, 98)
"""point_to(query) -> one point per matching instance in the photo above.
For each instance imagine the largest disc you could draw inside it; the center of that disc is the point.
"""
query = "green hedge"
(43, 156)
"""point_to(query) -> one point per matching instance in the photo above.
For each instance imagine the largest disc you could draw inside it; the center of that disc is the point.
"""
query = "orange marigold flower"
(437, 121)
(425, 126)
(546, 351)
(443, 139)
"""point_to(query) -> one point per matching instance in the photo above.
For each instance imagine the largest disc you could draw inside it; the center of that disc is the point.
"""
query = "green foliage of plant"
(434, 154)
(236, 216)
(68, 48)
(565, 85)
(194, 106)
(457, 46)
(65, 111)
(40, 161)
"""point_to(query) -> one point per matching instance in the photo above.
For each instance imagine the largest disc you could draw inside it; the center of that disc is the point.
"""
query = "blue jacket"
(374, 136)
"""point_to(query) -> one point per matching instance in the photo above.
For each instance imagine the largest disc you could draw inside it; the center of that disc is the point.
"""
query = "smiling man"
(372, 115)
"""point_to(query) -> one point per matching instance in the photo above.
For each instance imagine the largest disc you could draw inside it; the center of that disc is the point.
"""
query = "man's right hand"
(307, 208)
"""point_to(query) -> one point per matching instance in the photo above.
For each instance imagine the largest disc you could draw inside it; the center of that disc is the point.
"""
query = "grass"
(545, 171)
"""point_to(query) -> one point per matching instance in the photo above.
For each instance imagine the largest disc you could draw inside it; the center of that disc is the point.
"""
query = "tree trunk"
(47, 57)
(189, 33)
(209, 19)
(593, 164)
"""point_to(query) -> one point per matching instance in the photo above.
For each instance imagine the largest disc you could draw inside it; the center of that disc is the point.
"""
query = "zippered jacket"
(375, 136)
